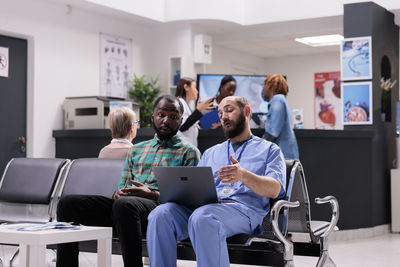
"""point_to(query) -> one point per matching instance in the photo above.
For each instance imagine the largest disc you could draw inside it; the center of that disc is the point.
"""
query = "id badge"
(227, 191)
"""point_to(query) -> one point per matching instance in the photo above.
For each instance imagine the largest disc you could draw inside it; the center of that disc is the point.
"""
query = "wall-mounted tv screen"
(248, 86)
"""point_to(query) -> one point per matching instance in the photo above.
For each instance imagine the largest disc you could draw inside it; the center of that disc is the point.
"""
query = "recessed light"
(321, 40)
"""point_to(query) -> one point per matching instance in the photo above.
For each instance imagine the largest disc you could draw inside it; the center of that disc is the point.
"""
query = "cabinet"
(179, 66)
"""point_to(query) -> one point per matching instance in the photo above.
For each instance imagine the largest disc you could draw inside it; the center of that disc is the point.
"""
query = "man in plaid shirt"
(137, 192)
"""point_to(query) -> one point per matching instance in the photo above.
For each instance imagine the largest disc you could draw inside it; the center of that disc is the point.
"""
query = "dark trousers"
(128, 216)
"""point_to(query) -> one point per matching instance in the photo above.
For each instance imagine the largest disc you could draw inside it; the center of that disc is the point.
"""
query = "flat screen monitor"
(248, 86)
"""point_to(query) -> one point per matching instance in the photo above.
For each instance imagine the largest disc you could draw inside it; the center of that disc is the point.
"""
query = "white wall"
(65, 59)
(225, 61)
(300, 76)
(168, 40)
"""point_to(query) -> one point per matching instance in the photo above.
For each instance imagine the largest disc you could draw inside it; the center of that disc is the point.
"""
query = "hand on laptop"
(231, 173)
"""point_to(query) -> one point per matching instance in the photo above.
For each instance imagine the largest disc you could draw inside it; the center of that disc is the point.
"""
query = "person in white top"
(123, 126)
(186, 92)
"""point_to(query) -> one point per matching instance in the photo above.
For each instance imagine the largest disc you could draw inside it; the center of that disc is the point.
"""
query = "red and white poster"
(4, 62)
(327, 100)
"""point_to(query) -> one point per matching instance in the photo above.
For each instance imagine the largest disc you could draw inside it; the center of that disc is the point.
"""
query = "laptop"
(189, 186)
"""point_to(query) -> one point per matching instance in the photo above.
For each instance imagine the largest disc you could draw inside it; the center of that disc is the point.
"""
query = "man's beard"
(162, 136)
(238, 127)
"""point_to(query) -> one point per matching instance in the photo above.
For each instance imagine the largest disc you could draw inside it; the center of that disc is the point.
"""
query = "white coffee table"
(32, 245)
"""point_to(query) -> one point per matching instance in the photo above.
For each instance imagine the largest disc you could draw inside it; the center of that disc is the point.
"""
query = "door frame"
(30, 88)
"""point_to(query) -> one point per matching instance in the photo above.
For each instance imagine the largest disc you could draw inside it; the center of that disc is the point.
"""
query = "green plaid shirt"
(144, 155)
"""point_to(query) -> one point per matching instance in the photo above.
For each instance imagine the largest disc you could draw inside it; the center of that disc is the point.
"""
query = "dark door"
(13, 102)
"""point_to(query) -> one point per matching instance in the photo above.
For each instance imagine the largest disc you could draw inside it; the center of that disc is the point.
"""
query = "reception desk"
(346, 164)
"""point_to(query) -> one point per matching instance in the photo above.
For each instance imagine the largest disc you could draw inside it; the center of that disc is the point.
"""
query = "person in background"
(278, 126)
(226, 88)
(186, 92)
(123, 126)
(137, 193)
(247, 170)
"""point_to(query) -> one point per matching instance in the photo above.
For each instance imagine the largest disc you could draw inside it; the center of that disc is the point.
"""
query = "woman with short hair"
(123, 126)
(278, 126)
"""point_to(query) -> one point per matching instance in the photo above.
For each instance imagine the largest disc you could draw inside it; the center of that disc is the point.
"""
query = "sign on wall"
(357, 103)
(115, 65)
(4, 62)
(327, 100)
(356, 58)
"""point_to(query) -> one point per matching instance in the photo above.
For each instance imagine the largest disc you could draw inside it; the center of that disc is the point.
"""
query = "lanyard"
(241, 151)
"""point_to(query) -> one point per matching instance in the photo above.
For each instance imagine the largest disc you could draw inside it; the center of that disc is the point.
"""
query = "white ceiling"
(263, 40)
(272, 39)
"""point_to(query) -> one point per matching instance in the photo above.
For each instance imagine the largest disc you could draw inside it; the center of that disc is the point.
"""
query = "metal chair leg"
(325, 260)
(13, 257)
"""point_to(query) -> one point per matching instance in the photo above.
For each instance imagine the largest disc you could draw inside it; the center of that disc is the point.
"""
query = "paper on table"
(40, 227)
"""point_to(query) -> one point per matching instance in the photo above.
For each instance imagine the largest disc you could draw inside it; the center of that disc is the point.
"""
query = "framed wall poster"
(357, 103)
(4, 61)
(327, 101)
(115, 65)
(356, 59)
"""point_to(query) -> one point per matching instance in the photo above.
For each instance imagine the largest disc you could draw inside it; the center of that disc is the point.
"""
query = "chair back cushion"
(291, 170)
(30, 180)
(93, 176)
(299, 217)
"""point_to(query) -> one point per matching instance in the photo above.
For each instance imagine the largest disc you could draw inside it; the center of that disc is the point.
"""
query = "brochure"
(32, 227)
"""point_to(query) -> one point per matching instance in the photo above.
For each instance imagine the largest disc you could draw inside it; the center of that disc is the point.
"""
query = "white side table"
(32, 245)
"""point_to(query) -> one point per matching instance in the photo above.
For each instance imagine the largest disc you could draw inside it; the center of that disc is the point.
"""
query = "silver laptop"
(190, 186)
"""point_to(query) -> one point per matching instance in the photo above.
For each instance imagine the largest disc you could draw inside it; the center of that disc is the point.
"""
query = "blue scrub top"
(279, 125)
(258, 156)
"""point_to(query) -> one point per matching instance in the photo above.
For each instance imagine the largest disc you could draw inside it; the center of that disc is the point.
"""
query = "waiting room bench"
(273, 248)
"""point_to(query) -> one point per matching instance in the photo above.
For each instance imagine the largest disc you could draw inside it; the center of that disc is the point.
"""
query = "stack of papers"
(40, 227)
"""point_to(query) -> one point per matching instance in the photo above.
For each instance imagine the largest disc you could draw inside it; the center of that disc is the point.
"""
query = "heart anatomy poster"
(327, 100)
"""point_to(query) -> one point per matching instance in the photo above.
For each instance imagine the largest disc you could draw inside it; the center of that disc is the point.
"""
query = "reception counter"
(346, 164)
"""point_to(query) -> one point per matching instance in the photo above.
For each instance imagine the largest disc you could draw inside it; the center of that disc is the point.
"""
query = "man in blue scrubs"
(247, 170)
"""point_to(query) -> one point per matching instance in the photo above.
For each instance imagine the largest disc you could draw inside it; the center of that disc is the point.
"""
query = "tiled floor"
(371, 252)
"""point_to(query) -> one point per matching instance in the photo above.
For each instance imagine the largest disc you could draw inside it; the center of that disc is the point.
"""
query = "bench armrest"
(288, 245)
(325, 232)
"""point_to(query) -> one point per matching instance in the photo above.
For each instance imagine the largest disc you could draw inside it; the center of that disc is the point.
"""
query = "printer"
(90, 112)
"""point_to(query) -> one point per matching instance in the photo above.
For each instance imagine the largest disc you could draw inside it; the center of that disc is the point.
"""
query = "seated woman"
(123, 126)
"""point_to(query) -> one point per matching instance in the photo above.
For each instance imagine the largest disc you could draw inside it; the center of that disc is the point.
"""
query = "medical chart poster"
(356, 59)
(115, 65)
(327, 101)
(357, 103)
(4, 61)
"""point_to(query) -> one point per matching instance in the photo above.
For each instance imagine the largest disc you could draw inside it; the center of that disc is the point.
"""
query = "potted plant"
(386, 86)
(144, 91)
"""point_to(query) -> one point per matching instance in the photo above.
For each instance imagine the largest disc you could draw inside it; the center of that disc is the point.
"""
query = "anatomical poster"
(357, 103)
(327, 100)
(115, 65)
(356, 59)
(4, 61)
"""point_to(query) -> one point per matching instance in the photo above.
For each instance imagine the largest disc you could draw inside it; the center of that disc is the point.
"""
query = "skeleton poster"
(115, 65)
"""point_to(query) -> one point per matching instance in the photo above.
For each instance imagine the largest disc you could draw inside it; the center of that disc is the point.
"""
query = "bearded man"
(247, 170)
